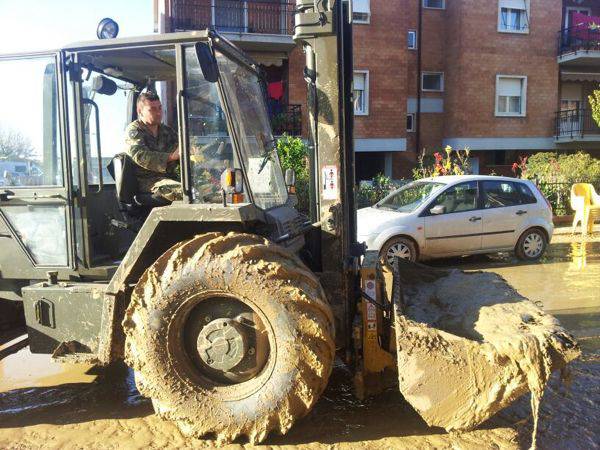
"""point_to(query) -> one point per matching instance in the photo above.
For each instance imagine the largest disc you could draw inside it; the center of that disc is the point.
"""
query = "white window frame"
(367, 20)
(366, 93)
(432, 73)
(523, 112)
(413, 123)
(414, 33)
(527, 9)
(434, 7)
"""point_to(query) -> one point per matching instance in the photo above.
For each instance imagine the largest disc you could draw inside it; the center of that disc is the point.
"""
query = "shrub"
(452, 162)
(293, 154)
(555, 174)
(368, 194)
(549, 167)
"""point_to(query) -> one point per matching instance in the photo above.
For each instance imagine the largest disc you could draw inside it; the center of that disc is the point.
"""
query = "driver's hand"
(174, 156)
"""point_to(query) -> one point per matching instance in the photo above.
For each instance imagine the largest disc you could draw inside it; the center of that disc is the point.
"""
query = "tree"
(15, 146)
(595, 104)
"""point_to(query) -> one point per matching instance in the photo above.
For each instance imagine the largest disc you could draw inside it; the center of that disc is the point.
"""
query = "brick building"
(501, 77)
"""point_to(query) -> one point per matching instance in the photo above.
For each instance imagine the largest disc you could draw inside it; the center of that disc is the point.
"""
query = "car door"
(502, 214)
(35, 218)
(458, 229)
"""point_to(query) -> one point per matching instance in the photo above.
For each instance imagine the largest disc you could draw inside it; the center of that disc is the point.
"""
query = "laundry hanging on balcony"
(275, 90)
(585, 27)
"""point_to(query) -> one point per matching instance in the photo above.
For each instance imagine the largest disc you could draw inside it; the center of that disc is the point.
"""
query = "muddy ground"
(44, 404)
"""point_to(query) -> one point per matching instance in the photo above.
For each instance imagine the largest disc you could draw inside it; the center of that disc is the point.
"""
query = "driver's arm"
(141, 154)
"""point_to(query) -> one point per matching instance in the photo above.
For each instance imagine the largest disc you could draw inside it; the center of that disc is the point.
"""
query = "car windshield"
(409, 197)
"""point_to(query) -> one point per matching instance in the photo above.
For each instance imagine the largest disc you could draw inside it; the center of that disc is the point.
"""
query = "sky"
(33, 25)
(27, 25)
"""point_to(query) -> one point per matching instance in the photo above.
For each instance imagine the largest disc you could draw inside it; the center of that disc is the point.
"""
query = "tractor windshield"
(253, 129)
(211, 148)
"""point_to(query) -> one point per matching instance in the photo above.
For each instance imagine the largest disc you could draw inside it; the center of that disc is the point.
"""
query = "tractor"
(230, 305)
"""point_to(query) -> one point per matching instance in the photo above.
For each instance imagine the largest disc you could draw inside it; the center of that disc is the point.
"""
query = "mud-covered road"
(44, 404)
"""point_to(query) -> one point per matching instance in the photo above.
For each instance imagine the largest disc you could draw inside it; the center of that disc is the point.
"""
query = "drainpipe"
(419, 47)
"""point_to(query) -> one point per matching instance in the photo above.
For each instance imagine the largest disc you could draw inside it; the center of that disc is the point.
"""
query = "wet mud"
(44, 404)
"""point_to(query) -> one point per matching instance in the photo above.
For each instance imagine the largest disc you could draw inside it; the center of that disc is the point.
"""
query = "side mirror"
(290, 177)
(290, 180)
(437, 210)
(103, 85)
(207, 61)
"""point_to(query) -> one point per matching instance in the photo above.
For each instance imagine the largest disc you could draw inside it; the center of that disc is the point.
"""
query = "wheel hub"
(222, 344)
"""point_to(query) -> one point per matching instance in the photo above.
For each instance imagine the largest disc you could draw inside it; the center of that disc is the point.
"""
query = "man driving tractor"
(153, 146)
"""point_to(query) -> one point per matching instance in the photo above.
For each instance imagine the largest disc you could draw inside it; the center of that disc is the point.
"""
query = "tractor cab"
(70, 118)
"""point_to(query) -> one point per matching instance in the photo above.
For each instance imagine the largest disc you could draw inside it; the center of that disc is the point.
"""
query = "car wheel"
(402, 247)
(531, 245)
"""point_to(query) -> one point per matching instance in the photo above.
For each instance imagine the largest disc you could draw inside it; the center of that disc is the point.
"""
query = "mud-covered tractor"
(230, 305)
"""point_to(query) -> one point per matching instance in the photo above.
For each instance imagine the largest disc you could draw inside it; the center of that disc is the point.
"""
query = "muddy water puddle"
(108, 413)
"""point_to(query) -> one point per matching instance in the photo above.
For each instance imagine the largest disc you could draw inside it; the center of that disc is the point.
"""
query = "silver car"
(458, 215)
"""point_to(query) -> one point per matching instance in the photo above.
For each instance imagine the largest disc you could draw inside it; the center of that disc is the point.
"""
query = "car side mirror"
(207, 61)
(437, 210)
(290, 180)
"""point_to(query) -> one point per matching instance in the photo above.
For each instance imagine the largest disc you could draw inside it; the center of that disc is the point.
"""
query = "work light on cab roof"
(107, 29)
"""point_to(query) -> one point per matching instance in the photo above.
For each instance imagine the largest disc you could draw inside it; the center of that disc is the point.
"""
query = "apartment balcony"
(286, 119)
(252, 24)
(576, 125)
(579, 46)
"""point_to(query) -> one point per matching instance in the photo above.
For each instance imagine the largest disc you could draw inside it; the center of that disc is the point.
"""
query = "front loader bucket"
(468, 344)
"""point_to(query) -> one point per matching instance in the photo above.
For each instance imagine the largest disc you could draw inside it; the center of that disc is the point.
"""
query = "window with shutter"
(510, 95)
(361, 11)
(513, 16)
(361, 92)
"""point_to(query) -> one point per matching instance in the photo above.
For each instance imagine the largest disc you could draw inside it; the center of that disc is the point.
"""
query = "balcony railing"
(576, 124)
(286, 119)
(249, 16)
(582, 37)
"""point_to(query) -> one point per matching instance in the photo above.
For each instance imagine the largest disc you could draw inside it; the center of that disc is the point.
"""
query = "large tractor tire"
(230, 335)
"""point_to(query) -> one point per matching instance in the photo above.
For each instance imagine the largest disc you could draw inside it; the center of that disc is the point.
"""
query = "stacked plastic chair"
(585, 202)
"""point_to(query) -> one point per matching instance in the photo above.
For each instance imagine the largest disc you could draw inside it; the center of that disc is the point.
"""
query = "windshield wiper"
(270, 147)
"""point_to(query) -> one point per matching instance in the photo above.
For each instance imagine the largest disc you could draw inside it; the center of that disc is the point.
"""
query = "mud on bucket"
(469, 345)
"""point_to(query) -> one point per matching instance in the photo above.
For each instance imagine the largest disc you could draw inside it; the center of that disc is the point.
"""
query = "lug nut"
(207, 319)
(251, 351)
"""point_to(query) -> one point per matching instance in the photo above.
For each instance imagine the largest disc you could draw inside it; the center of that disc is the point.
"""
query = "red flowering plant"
(520, 168)
(450, 162)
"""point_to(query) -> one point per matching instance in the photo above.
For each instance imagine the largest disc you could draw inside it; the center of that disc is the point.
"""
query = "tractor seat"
(134, 205)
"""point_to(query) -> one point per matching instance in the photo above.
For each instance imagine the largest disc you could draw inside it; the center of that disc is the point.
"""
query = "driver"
(153, 146)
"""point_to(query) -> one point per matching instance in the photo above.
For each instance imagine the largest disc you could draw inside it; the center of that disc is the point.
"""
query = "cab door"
(35, 217)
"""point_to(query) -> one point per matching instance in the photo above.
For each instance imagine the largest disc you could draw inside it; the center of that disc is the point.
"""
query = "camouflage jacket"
(148, 152)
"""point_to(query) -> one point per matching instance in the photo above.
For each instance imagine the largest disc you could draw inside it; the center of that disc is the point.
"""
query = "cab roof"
(158, 39)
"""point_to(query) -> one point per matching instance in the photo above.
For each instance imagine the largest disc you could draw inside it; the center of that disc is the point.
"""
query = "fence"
(250, 16)
(576, 123)
(286, 119)
(581, 37)
(559, 195)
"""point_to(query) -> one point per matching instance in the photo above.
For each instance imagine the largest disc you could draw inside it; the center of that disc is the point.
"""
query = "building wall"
(464, 43)
(481, 52)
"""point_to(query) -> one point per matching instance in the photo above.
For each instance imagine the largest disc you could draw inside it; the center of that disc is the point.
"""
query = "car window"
(499, 194)
(527, 196)
(462, 197)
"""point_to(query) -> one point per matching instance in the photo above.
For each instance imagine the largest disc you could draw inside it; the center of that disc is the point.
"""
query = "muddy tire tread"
(255, 260)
